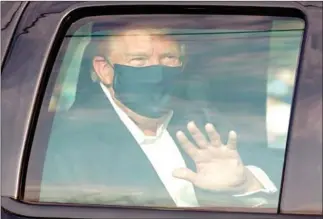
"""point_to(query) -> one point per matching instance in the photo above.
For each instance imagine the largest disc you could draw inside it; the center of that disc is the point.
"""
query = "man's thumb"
(184, 173)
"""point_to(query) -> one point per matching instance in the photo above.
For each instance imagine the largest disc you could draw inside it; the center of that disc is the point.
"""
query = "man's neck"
(149, 132)
(147, 128)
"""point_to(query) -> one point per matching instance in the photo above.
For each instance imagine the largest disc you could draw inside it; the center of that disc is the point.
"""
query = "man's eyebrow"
(137, 54)
(170, 53)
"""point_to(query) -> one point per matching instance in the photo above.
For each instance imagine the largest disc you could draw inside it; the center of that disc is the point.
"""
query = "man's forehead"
(144, 34)
(133, 30)
(142, 39)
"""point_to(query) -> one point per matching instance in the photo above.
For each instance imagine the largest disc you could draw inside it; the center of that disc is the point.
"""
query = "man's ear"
(103, 70)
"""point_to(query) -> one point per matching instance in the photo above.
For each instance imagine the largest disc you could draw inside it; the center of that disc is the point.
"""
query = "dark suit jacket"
(90, 147)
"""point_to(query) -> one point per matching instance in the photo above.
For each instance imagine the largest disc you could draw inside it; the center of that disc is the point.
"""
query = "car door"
(42, 62)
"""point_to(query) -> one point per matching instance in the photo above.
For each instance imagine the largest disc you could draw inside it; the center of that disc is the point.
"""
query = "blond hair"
(106, 45)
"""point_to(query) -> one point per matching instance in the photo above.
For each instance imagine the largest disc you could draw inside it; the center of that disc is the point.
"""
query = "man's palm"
(218, 166)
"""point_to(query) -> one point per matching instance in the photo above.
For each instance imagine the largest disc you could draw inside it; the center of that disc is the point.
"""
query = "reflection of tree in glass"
(280, 91)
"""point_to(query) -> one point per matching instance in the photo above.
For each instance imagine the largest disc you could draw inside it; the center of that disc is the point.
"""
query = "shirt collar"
(132, 127)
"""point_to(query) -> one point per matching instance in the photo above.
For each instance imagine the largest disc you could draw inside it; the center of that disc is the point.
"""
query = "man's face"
(138, 48)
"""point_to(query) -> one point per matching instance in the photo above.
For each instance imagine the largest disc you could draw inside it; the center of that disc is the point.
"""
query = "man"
(127, 137)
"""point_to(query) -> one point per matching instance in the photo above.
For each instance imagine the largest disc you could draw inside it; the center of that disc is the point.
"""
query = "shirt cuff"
(261, 176)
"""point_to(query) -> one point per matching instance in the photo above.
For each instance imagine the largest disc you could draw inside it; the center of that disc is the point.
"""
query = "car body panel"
(10, 15)
(25, 75)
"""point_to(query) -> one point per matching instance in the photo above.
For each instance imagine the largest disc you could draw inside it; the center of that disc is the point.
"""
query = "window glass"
(167, 111)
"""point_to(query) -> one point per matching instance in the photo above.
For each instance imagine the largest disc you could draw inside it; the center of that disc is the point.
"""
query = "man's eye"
(171, 60)
(138, 61)
(171, 57)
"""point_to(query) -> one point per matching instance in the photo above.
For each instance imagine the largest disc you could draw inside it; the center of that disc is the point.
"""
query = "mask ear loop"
(184, 61)
(108, 62)
(183, 58)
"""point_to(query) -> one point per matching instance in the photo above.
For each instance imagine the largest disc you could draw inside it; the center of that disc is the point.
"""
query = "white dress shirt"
(165, 157)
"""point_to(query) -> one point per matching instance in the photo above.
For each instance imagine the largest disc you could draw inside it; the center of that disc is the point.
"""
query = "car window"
(161, 111)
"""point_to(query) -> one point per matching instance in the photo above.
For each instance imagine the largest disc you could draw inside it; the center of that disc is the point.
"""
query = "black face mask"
(145, 90)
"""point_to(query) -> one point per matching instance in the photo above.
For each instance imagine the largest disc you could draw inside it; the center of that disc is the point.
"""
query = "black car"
(251, 67)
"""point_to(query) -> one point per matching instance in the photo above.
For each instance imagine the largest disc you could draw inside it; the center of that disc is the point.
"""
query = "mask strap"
(109, 63)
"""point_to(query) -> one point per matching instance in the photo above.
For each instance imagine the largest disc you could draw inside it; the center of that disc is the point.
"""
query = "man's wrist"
(255, 190)
(252, 183)
(259, 183)
(248, 185)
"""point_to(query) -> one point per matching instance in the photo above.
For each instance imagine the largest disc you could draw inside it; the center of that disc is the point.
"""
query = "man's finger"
(232, 140)
(213, 135)
(190, 149)
(197, 135)
(186, 174)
